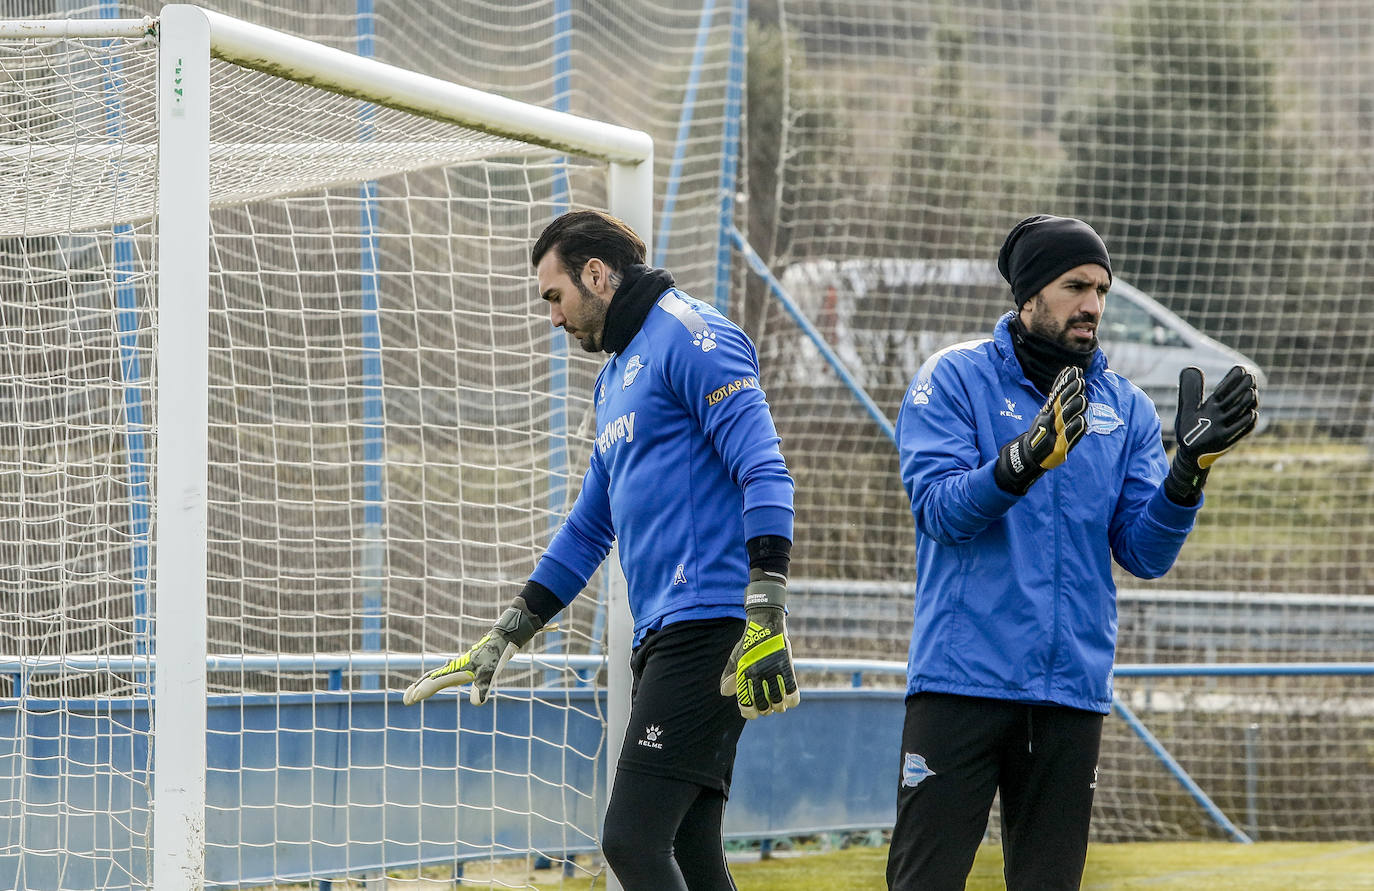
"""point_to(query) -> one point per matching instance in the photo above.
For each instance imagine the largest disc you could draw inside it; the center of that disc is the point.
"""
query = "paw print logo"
(704, 338)
(920, 394)
(651, 733)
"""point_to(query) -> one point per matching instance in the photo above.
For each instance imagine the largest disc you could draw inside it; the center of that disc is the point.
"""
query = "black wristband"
(1014, 472)
(541, 601)
(769, 553)
(1183, 485)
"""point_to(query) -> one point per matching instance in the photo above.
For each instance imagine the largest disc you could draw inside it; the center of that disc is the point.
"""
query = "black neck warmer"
(1042, 359)
(640, 287)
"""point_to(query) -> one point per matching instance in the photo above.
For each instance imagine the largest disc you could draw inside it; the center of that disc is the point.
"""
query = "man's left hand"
(1207, 428)
(759, 674)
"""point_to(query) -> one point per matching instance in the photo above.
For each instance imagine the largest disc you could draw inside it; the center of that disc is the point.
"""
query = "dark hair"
(580, 235)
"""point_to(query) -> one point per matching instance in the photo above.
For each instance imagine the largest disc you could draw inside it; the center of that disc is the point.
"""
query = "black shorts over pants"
(663, 822)
(680, 726)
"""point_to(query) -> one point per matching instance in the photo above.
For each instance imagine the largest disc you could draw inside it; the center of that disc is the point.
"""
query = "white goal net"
(390, 437)
(394, 431)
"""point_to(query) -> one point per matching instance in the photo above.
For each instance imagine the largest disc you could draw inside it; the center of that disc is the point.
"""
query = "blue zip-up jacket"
(1014, 595)
(684, 470)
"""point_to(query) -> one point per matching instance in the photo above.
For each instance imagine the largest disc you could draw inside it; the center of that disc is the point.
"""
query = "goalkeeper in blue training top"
(686, 473)
(1030, 465)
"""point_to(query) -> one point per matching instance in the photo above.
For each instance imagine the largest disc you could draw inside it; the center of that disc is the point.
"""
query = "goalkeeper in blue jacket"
(1030, 465)
(686, 474)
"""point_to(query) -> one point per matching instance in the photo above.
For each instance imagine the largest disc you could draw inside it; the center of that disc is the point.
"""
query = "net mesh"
(1280, 757)
(76, 412)
(395, 431)
(1213, 149)
(891, 146)
(1219, 147)
(382, 481)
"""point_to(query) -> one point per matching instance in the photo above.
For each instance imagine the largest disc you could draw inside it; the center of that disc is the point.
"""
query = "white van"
(883, 317)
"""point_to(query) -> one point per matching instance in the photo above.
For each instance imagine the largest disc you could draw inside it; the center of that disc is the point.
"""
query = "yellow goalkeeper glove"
(1055, 429)
(759, 674)
(480, 664)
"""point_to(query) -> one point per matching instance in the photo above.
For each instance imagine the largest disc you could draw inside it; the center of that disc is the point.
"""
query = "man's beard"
(1044, 325)
(594, 315)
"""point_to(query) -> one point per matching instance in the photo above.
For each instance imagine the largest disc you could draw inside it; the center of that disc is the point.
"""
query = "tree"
(1183, 162)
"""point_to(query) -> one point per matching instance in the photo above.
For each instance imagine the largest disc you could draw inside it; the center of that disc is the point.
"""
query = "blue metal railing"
(1155, 746)
(362, 662)
(130, 365)
(684, 126)
(318, 736)
(729, 151)
(561, 200)
(374, 443)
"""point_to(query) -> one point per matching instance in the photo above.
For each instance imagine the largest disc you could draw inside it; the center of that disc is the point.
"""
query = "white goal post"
(453, 125)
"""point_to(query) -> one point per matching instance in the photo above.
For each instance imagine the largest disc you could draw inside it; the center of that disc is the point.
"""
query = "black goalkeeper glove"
(1207, 429)
(1057, 428)
(759, 674)
(479, 665)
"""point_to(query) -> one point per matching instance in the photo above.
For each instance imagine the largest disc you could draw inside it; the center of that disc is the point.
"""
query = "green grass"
(1159, 866)
(1163, 866)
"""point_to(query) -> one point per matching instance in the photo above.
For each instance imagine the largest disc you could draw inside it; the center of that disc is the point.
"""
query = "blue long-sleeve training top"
(1014, 595)
(686, 468)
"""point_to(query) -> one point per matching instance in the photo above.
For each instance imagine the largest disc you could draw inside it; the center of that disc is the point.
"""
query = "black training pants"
(957, 752)
(663, 834)
(663, 822)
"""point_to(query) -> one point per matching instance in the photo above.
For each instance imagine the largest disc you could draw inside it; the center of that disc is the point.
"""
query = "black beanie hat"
(1041, 248)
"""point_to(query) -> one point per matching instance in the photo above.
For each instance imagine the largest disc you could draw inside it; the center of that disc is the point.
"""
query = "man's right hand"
(1057, 428)
(479, 665)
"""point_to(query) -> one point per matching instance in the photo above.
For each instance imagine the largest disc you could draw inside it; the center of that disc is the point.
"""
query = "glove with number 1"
(1207, 429)
(1055, 430)
(479, 665)
(759, 674)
